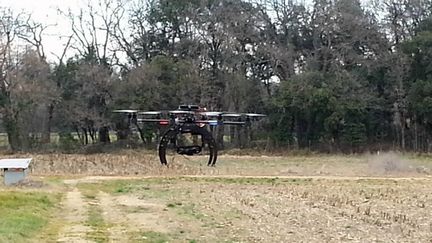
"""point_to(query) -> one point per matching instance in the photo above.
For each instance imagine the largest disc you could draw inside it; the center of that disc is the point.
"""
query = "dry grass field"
(129, 197)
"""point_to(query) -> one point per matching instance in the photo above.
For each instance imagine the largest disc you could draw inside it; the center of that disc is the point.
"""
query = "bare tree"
(92, 29)
(11, 25)
(31, 94)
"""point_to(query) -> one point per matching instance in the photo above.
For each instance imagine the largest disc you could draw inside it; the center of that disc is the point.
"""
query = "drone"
(189, 119)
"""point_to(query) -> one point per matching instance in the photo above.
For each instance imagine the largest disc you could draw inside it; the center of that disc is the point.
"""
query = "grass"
(190, 210)
(23, 214)
(95, 216)
(97, 223)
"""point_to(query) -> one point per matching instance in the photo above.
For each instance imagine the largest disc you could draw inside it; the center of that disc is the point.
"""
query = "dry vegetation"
(139, 163)
(311, 198)
(275, 210)
(200, 209)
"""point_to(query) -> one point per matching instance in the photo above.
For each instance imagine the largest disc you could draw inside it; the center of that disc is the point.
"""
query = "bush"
(67, 142)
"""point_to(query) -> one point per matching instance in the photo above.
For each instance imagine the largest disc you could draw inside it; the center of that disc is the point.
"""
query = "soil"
(74, 212)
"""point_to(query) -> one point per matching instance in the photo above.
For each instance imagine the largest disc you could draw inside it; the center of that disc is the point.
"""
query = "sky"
(45, 11)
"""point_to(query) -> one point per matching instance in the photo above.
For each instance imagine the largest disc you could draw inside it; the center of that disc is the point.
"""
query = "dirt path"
(127, 215)
(75, 215)
(114, 218)
(123, 217)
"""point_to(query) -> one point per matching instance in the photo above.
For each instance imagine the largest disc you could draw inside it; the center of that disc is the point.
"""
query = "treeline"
(332, 75)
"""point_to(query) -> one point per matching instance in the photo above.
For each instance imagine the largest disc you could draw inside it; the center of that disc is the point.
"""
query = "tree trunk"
(86, 140)
(12, 130)
(104, 135)
(92, 134)
(247, 131)
(141, 133)
(415, 134)
(232, 136)
(238, 134)
(403, 136)
(123, 130)
(220, 137)
(46, 133)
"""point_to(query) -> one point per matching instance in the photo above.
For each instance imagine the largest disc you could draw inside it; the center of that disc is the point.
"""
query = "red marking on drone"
(164, 122)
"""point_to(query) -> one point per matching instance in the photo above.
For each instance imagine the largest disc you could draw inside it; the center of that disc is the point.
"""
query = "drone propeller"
(219, 113)
(210, 122)
(255, 115)
(181, 112)
(231, 115)
(150, 112)
(125, 111)
(211, 113)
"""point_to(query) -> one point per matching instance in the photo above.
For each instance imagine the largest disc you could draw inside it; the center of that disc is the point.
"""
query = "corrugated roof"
(15, 163)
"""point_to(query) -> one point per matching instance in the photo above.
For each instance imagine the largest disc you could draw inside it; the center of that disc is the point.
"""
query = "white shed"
(15, 170)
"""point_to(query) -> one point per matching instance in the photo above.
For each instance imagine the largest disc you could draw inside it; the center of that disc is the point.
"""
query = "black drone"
(189, 119)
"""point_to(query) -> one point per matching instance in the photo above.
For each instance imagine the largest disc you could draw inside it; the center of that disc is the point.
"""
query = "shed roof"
(15, 163)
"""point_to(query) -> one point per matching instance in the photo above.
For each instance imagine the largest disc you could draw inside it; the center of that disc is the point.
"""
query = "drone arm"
(160, 121)
(216, 122)
(234, 123)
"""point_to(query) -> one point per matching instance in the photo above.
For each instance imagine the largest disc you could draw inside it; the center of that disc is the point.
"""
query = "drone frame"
(183, 121)
(193, 129)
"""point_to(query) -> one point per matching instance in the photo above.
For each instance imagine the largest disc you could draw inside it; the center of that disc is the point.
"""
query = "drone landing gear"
(189, 150)
(171, 135)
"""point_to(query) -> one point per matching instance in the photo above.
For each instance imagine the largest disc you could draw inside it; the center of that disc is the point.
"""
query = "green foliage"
(420, 98)
(354, 134)
(321, 108)
(67, 142)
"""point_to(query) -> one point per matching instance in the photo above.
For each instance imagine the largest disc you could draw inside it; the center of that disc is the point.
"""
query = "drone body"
(188, 119)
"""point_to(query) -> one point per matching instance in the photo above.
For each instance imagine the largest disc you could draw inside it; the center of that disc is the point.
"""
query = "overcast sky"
(45, 11)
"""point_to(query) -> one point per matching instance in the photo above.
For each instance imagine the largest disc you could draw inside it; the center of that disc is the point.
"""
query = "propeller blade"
(125, 111)
(233, 123)
(181, 112)
(255, 115)
(210, 122)
(231, 115)
(211, 113)
(150, 113)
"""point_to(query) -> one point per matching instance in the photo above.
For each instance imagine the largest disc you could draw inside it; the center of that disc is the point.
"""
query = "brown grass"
(139, 162)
